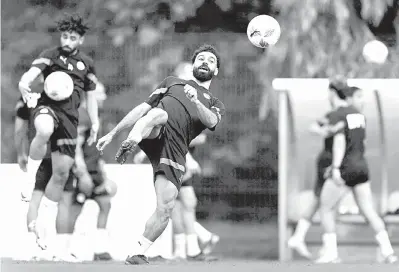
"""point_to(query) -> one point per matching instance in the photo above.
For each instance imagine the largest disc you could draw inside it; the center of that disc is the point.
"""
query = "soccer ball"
(375, 52)
(263, 30)
(58, 86)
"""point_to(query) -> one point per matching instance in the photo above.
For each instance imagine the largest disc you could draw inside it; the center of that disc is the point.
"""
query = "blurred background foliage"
(136, 43)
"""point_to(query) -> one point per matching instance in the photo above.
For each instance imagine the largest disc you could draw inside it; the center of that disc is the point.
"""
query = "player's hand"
(104, 141)
(25, 91)
(23, 162)
(93, 134)
(191, 93)
(336, 177)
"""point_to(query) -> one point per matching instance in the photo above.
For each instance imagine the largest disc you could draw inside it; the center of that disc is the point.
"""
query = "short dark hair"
(206, 48)
(338, 84)
(72, 22)
(350, 91)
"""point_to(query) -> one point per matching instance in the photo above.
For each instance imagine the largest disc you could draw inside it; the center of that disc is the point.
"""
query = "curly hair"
(206, 48)
(72, 22)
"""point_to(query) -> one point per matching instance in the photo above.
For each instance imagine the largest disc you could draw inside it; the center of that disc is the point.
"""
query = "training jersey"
(183, 117)
(354, 129)
(81, 69)
(90, 152)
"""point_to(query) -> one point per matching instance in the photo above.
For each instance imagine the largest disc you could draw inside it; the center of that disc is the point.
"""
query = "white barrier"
(131, 207)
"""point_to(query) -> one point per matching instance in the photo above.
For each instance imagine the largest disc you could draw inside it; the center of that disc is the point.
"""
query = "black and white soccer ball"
(58, 86)
(263, 31)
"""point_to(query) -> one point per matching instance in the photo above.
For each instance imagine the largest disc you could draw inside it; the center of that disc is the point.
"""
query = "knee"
(159, 114)
(61, 173)
(44, 125)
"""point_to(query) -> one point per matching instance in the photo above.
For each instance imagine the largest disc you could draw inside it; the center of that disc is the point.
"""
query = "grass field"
(243, 246)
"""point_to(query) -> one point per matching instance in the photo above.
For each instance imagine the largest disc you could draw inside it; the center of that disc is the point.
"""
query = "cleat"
(300, 247)
(105, 256)
(208, 247)
(202, 258)
(136, 260)
(126, 148)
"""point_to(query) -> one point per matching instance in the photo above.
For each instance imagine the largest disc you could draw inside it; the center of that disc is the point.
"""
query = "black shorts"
(355, 172)
(43, 176)
(323, 162)
(165, 156)
(65, 130)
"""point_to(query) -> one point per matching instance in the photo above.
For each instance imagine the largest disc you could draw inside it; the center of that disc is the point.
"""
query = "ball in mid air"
(58, 86)
(375, 52)
(263, 31)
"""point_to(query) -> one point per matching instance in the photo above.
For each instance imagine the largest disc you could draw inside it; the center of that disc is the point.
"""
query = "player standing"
(56, 121)
(324, 160)
(174, 114)
(349, 171)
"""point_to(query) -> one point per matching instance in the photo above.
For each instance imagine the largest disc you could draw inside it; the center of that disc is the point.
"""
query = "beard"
(202, 75)
(67, 50)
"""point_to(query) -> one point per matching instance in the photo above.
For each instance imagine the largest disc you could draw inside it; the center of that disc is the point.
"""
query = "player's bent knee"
(44, 125)
(158, 115)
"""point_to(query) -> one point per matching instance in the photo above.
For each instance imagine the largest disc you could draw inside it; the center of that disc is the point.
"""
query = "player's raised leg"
(364, 200)
(147, 127)
(44, 125)
(166, 193)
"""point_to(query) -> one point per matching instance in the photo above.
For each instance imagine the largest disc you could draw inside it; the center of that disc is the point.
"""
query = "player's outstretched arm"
(129, 120)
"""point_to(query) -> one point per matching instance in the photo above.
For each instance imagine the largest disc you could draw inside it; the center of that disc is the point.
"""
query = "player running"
(174, 114)
(57, 121)
(324, 160)
(349, 171)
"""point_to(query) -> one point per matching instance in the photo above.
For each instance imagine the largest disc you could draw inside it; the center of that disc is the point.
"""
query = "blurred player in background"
(163, 126)
(324, 160)
(92, 183)
(349, 171)
(57, 121)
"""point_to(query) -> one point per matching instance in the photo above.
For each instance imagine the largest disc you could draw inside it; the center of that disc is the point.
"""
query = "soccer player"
(324, 160)
(349, 171)
(56, 121)
(174, 114)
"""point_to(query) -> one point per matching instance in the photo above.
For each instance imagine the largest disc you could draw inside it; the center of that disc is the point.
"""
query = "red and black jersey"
(182, 113)
(81, 69)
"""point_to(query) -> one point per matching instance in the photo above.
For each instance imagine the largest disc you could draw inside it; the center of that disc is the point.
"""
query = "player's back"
(355, 132)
